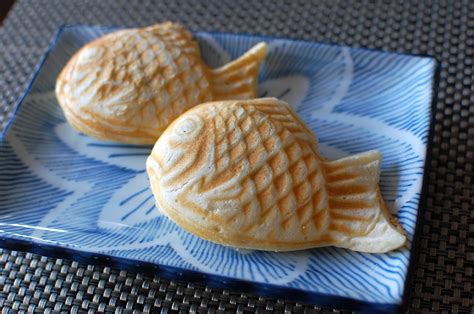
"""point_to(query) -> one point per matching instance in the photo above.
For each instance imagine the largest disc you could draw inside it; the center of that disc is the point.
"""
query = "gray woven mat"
(445, 29)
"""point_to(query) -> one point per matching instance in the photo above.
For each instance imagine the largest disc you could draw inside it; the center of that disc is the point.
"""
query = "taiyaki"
(248, 174)
(129, 85)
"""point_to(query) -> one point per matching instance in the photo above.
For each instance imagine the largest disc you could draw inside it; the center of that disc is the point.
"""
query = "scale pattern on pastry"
(129, 85)
(248, 174)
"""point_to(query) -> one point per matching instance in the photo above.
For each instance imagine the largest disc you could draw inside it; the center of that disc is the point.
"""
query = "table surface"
(443, 274)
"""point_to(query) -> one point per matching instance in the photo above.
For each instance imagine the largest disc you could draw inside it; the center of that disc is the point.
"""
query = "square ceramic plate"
(64, 193)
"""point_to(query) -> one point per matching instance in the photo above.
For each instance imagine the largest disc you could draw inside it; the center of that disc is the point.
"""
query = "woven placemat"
(444, 273)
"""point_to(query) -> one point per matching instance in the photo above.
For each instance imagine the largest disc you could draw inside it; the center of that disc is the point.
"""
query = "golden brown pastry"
(128, 86)
(248, 174)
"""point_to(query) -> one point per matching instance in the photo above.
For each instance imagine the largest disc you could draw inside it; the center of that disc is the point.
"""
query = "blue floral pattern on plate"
(62, 188)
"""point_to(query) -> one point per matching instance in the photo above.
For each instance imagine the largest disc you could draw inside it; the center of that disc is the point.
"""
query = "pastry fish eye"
(90, 54)
(188, 129)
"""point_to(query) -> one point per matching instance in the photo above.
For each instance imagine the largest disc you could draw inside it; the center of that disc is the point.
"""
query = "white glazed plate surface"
(64, 189)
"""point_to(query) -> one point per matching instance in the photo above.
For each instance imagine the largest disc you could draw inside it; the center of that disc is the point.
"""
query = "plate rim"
(218, 281)
(422, 203)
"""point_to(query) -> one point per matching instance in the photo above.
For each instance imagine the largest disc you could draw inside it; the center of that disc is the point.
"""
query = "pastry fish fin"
(360, 221)
(238, 79)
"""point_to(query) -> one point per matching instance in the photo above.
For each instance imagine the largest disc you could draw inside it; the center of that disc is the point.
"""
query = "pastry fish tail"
(238, 79)
(359, 219)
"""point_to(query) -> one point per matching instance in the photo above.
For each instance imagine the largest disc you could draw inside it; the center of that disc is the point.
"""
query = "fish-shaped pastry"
(248, 174)
(129, 85)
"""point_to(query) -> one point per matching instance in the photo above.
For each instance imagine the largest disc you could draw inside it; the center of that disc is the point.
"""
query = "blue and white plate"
(64, 193)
